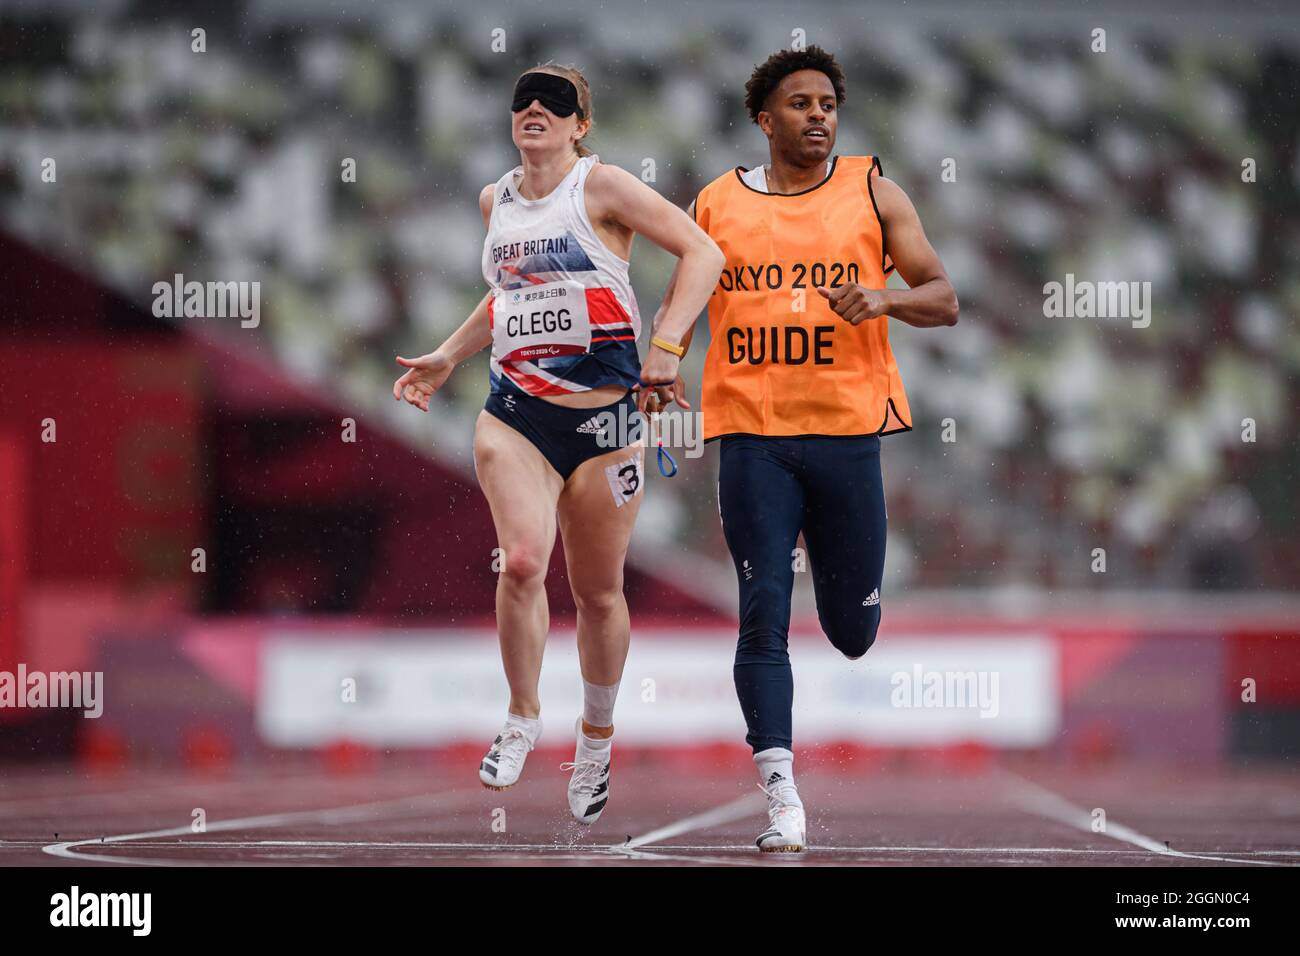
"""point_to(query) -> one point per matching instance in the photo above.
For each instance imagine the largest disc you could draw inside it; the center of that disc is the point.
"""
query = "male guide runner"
(800, 383)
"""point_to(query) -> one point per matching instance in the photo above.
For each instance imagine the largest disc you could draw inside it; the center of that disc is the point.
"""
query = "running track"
(661, 812)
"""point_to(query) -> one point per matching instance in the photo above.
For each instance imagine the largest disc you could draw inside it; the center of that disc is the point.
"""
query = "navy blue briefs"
(565, 436)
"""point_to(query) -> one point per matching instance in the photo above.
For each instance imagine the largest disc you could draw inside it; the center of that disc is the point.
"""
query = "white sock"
(532, 727)
(598, 704)
(595, 744)
(776, 773)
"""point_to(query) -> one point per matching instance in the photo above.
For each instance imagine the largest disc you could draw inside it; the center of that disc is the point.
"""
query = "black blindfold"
(556, 93)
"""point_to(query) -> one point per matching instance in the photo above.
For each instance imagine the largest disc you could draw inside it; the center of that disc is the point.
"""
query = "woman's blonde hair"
(574, 76)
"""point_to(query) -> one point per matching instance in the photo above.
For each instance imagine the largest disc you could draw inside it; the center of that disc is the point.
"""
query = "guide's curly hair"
(769, 74)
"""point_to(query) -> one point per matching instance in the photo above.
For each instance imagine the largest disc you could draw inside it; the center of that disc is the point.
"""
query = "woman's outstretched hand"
(425, 376)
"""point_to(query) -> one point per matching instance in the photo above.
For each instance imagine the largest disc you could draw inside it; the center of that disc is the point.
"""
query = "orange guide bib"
(781, 362)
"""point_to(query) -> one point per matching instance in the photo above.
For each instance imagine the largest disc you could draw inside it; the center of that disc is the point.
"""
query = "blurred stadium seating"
(1071, 433)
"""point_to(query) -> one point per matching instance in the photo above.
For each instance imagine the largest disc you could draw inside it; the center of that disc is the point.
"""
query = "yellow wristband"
(668, 346)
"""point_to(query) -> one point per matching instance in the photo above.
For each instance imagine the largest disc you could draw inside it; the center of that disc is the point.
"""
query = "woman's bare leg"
(522, 490)
(596, 532)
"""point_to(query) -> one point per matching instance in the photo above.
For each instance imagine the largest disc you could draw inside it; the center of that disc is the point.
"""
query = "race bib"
(540, 321)
(626, 478)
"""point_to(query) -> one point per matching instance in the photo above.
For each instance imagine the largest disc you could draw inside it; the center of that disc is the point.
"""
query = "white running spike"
(504, 761)
(589, 784)
(787, 827)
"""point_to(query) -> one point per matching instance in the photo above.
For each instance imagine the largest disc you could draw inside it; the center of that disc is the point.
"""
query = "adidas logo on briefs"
(872, 598)
(591, 426)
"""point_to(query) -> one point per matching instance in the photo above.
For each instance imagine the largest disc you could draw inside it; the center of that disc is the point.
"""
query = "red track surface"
(437, 814)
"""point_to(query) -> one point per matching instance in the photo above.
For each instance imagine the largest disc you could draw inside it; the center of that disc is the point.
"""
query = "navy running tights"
(770, 489)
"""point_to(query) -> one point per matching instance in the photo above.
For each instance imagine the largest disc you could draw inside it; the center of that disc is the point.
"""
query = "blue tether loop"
(664, 456)
(662, 453)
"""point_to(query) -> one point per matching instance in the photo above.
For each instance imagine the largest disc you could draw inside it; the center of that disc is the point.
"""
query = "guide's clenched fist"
(853, 303)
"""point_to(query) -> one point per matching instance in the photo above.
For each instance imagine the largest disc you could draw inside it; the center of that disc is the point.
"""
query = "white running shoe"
(589, 785)
(787, 827)
(504, 760)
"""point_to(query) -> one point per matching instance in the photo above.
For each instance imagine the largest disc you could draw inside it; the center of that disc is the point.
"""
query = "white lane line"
(346, 844)
(735, 855)
(605, 848)
(743, 807)
(68, 849)
(655, 855)
(922, 850)
(1039, 800)
(1062, 851)
(555, 851)
(379, 845)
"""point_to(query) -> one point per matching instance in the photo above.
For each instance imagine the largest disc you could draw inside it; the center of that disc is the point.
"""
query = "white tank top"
(563, 313)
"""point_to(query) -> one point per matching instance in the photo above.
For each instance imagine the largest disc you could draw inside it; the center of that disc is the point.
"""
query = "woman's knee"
(598, 600)
(524, 564)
